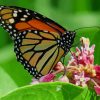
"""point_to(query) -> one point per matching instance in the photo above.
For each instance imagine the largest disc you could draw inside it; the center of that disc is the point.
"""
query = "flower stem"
(94, 82)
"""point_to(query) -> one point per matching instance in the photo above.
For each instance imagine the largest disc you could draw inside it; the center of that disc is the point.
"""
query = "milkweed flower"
(82, 67)
(97, 90)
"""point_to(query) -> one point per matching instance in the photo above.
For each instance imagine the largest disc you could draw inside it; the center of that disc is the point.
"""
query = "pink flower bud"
(47, 78)
(64, 79)
(35, 81)
(59, 66)
(97, 69)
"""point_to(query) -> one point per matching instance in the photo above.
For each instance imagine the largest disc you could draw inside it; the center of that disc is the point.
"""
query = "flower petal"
(47, 78)
(35, 81)
(64, 79)
(97, 69)
(59, 66)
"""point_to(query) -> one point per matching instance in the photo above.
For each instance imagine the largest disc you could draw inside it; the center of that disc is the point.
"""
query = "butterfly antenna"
(87, 27)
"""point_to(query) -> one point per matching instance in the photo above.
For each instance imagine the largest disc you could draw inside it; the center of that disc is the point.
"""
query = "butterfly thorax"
(66, 40)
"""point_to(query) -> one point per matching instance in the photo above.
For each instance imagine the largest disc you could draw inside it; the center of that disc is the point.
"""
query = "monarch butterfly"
(39, 43)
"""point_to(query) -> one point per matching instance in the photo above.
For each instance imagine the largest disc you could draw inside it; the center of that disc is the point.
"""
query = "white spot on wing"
(11, 20)
(25, 16)
(37, 17)
(15, 35)
(29, 30)
(7, 29)
(22, 19)
(10, 32)
(24, 32)
(14, 14)
(10, 27)
(35, 13)
(15, 11)
(14, 30)
(35, 32)
(3, 22)
(26, 10)
(4, 26)
(46, 31)
(20, 10)
(28, 13)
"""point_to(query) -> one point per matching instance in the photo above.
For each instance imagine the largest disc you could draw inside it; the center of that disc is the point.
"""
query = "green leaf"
(13, 68)
(6, 54)
(6, 83)
(46, 91)
(4, 40)
(89, 94)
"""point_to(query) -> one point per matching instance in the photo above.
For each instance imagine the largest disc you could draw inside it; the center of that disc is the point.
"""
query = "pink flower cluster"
(80, 69)
(84, 55)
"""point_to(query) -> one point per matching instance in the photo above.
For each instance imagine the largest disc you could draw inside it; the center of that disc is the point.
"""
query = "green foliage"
(70, 14)
(6, 83)
(51, 91)
(46, 91)
(12, 67)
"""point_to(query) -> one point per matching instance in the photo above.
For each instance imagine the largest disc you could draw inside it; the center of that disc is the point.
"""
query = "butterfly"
(39, 42)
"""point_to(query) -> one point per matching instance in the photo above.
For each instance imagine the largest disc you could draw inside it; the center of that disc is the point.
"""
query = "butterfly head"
(67, 40)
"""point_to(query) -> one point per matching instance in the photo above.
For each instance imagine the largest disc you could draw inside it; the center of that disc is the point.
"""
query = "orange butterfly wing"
(17, 19)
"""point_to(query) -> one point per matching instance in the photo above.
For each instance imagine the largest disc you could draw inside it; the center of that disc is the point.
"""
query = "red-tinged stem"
(94, 82)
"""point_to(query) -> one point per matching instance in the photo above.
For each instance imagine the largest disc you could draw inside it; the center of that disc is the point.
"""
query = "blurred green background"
(71, 14)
